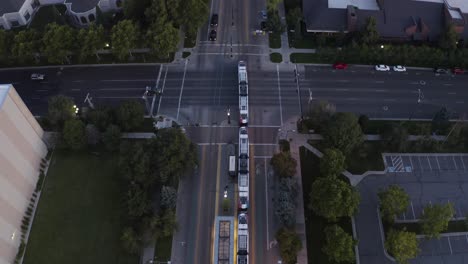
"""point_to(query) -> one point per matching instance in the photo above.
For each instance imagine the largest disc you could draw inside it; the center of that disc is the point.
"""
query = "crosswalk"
(397, 165)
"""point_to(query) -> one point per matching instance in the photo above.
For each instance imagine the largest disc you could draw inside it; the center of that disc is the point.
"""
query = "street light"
(381, 46)
(225, 192)
(229, 115)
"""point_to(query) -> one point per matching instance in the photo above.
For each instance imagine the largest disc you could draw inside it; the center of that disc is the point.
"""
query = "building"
(22, 149)
(15, 13)
(396, 19)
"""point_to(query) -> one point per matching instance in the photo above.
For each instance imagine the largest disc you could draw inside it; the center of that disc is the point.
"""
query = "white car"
(37, 77)
(382, 67)
(399, 68)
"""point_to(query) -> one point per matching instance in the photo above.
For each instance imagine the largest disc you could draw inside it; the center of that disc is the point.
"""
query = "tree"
(285, 201)
(25, 46)
(6, 39)
(124, 37)
(435, 219)
(393, 201)
(343, 132)
(441, 121)
(396, 137)
(130, 115)
(60, 110)
(448, 39)
(163, 225)
(58, 42)
(92, 134)
(168, 197)
(332, 163)
(130, 240)
(402, 245)
(171, 154)
(289, 245)
(274, 24)
(162, 39)
(91, 40)
(370, 35)
(138, 202)
(74, 136)
(319, 114)
(192, 14)
(339, 245)
(101, 117)
(111, 138)
(134, 163)
(363, 122)
(284, 164)
(272, 5)
(332, 198)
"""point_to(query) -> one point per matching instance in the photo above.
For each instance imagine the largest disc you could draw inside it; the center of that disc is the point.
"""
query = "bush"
(283, 164)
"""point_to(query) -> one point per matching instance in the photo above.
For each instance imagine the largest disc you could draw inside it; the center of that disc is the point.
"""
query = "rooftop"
(4, 88)
(361, 4)
(10, 6)
(81, 6)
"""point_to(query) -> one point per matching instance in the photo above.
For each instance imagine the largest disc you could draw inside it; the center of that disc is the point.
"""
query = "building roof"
(4, 89)
(10, 6)
(80, 6)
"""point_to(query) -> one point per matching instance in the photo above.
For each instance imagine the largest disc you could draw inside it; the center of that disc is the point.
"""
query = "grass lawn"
(307, 41)
(304, 58)
(163, 248)
(315, 224)
(274, 40)
(80, 214)
(367, 158)
(276, 57)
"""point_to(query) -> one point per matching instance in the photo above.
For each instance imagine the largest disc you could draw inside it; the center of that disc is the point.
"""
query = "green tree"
(435, 219)
(332, 163)
(111, 138)
(289, 245)
(60, 110)
(6, 39)
(332, 198)
(92, 134)
(272, 5)
(74, 135)
(168, 197)
(130, 240)
(284, 164)
(58, 42)
(370, 35)
(402, 245)
(396, 137)
(25, 46)
(393, 201)
(124, 37)
(91, 40)
(320, 114)
(274, 24)
(343, 132)
(449, 37)
(192, 14)
(130, 115)
(162, 39)
(294, 17)
(138, 201)
(163, 225)
(339, 245)
(101, 117)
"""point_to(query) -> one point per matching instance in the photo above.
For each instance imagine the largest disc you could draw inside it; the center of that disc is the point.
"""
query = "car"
(441, 71)
(37, 77)
(214, 20)
(382, 67)
(263, 13)
(458, 70)
(399, 68)
(242, 223)
(213, 35)
(340, 66)
(243, 200)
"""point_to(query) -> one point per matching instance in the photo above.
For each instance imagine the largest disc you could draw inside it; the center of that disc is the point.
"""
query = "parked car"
(382, 67)
(263, 26)
(340, 66)
(214, 20)
(441, 71)
(37, 77)
(263, 13)
(213, 35)
(399, 68)
(458, 70)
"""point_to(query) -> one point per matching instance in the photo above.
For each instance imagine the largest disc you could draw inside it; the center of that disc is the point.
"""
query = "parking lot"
(428, 179)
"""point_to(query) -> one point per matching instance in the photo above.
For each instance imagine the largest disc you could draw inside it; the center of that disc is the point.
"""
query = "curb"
(84, 65)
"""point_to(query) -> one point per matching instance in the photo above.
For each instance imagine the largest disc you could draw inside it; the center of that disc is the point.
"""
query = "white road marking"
(452, 93)
(463, 163)
(182, 87)
(448, 84)
(460, 102)
(162, 89)
(411, 161)
(234, 53)
(341, 89)
(343, 81)
(429, 162)
(379, 81)
(412, 210)
(266, 200)
(279, 94)
(135, 80)
(351, 99)
(380, 90)
(450, 245)
(156, 85)
(454, 162)
(78, 81)
(438, 165)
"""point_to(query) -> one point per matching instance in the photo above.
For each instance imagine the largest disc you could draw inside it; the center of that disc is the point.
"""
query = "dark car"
(340, 66)
(213, 35)
(458, 71)
(263, 26)
(214, 20)
(441, 71)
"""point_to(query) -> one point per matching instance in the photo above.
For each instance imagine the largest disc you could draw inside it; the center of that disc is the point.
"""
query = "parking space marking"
(412, 209)
(450, 245)
(463, 163)
(438, 165)
(454, 162)
(420, 165)
(428, 161)
(411, 161)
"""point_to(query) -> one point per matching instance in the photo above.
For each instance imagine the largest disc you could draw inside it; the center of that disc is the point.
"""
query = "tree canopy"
(289, 245)
(449, 37)
(393, 201)
(91, 40)
(111, 138)
(284, 164)
(58, 42)
(74, 135)
(343, 132)
(402, 245)
(124, 37)
(332, 163)
(435, 219)
(130, 115)
(370, 35)
(60, 110)
(332, 198)
(25, 45)
(339, 245)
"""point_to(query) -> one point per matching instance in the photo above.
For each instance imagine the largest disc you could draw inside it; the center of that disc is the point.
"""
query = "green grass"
(163, 248)
(315, 224)
(46, 15)
(367, 158)
(80, 214)
(304, 58)
(453, 226)
(185, 54)
(307, 41)
(276, 57)
(274, 40)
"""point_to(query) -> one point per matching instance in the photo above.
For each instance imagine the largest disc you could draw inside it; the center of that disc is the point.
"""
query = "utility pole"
(298, 90)
(229, 115)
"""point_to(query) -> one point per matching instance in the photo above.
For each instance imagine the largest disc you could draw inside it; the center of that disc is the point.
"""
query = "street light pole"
(298, 89)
